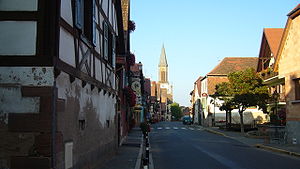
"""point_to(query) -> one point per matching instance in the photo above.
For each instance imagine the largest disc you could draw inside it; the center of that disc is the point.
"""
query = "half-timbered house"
(58, 82)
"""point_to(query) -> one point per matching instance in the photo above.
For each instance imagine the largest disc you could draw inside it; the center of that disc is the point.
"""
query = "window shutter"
(79, 13)
(105, 41)
(94, 24)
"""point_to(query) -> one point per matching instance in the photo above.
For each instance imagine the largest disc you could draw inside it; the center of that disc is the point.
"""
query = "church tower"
(163, 67)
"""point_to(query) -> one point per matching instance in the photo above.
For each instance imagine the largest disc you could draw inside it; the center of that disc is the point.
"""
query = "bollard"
(147, 152)
(145, 162)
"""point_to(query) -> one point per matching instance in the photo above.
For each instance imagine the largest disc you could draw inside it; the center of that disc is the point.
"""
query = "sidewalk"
(288, 149)
(127, 154)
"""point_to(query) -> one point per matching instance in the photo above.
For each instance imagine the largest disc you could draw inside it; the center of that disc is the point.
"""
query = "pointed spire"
(163, 57)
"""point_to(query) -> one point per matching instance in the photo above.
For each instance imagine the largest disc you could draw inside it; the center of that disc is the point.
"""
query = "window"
(79, 14)
(109, 45)
(85, 19)
(297, 89)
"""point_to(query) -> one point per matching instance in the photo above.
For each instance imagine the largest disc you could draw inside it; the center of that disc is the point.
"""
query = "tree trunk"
(230, 119)
(226, 123)
(242, 122)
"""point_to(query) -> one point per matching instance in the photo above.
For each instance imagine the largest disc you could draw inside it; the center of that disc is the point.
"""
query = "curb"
(277, 150)
(261, 146)
(151, 165)
(139, 157)
(215, 132)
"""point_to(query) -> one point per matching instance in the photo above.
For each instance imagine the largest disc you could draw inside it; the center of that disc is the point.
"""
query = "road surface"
(178, 146)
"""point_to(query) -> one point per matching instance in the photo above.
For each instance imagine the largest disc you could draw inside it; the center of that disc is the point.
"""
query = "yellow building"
(288, 67)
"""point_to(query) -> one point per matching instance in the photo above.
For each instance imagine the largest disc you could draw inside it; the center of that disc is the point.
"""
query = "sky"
(198, 34)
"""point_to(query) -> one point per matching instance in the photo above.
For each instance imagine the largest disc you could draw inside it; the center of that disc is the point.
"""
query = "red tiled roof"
(232, 64)
(273, 36)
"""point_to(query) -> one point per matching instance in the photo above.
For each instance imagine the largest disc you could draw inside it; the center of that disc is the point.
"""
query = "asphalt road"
(178, 146)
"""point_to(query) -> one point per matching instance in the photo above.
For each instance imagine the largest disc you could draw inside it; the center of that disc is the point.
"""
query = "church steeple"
(163, 58)
(163, 67)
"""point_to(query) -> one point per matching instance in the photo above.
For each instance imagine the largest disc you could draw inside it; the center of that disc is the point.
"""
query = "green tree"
(176, 111)
(223, 92)
(246, 90)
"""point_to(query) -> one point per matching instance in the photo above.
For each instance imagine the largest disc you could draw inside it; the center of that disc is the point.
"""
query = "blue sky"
(197, 34)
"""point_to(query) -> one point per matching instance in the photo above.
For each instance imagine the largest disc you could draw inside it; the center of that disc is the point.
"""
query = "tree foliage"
(245, 89)
(223, 92)
(176, 111)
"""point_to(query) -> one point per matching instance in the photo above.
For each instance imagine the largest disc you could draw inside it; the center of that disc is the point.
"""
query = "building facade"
(287, 65)
(211, 105)
(267, 55)
(196, 102)
(58, 82)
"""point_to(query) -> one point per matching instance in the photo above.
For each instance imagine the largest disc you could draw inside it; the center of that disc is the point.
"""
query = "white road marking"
(167, 128)
(183, 128)
(159, 128)
(191, 128)
(175, 128)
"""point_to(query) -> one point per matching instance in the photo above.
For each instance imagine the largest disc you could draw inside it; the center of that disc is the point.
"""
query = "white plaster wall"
(18, 5)
(101, 21)
(11, 80)
(18, 37)
(204, 86)
(105, 6)
(27, 76)
(115, 22)
(98, 42)
(103, 72)
(66, 11)
(110, 12)
(82, 49)
(11, 101)
(196, 93)
(98, 69)
(97, 14)
(104, 105)
(66, 47)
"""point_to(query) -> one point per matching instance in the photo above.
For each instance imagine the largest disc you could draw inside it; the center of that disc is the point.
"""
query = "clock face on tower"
(136, 86)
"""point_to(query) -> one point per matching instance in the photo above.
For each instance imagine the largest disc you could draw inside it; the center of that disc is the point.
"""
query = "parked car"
(187, 120)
